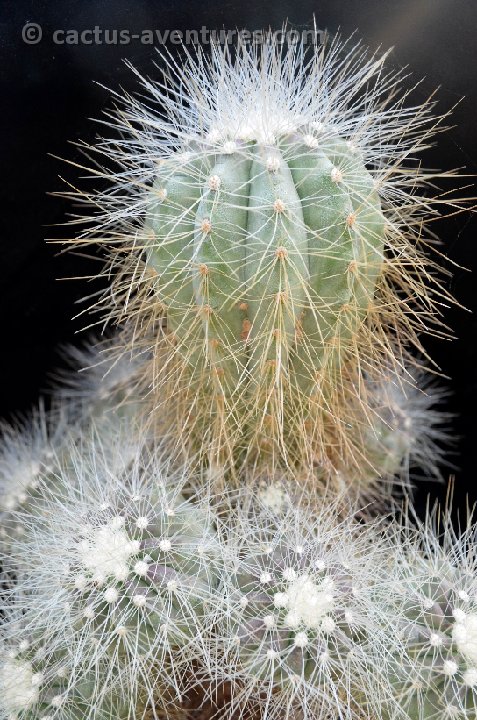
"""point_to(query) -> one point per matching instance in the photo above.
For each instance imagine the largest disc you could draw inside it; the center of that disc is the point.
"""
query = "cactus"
(281, 243)
(435, 584)
(267, 256)
(30, 447)
(304, 630)
(36, 448)
(404, 431)
(28, 693)
(112, 574)
(98, 381)
(269, 252)
(267, 243)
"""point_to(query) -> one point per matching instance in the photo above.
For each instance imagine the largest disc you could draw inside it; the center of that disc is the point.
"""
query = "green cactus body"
(299, 624)
(278, 643)
(162, 585)
(134, 587)
(171, 216)
(342, 213)
(267, 258)
(221, 258)
(438, 676)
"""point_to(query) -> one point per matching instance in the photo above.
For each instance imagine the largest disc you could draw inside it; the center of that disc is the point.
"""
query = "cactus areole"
(267, 256)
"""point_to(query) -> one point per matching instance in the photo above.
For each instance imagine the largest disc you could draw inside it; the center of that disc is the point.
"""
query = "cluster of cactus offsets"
(202, 523)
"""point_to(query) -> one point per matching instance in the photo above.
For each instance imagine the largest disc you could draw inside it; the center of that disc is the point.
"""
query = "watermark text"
(33, 33)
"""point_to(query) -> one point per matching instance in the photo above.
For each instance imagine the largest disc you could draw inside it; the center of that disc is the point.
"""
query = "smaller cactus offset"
(111, 578)
(404, 430)
(436, 581)
(34, 684)
(30, 447)
(304, 630)
(99, 381)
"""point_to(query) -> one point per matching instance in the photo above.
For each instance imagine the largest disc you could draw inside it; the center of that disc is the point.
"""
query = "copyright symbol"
(32, 33)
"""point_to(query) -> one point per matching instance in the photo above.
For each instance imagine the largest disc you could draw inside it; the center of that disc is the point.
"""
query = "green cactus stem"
(267, 259)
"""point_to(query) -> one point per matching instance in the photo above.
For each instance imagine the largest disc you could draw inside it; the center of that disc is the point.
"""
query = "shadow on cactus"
(267, 223)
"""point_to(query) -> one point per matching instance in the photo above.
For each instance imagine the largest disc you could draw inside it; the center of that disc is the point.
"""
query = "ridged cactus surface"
(28, 693)
(266, 252)
(267, 257)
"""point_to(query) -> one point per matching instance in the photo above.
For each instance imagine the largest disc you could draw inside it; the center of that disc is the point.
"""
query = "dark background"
(48, 93)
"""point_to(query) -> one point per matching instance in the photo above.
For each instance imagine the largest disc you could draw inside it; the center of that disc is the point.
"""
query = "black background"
(48, 93)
